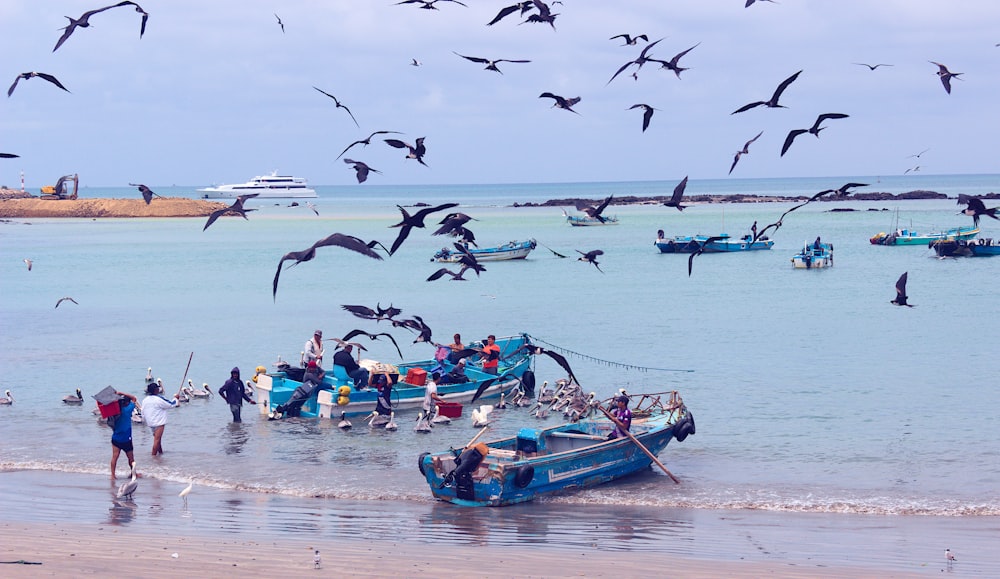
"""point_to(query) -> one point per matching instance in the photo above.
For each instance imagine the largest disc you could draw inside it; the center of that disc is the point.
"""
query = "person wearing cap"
(121, 435)
(233, 393)
(456, 375)
(313, 349)
(154, 413)
(313, 373)
(624, 415)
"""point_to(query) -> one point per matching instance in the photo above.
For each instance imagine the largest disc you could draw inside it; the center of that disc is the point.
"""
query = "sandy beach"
(93, 208)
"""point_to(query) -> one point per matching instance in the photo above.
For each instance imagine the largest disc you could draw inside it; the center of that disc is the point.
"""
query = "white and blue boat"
(537, 462)
(722, 243)
(812, 257)
(507, 251)
(337, 394)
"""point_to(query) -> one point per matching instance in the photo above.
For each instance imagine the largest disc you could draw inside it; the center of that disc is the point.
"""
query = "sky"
(215, 92)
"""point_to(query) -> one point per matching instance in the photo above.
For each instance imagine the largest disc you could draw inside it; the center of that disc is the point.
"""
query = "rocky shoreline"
(747, 198)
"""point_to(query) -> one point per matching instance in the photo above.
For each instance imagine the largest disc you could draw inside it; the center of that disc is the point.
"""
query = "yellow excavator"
(58, 191)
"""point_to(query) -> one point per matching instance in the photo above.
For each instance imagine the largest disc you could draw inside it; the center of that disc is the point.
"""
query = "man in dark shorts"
(121, 435)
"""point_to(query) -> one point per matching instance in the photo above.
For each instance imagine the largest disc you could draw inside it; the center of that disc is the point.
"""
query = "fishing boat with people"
(271, 186)
(507, 251)
(982, 247)
(722, 243)
(539, 462)
(283, 393)
(815, 255)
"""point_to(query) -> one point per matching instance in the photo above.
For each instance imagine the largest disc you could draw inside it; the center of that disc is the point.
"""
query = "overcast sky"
(216, 93)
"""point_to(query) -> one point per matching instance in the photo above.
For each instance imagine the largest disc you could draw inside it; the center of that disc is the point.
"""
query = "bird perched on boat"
(591, 257)
(945, 75)
(630, 40)
(67, 298)
(744, 151)
(84, 21)
(236, 208)
(675, 199)
(672, 64)
(344, 423)
(490, 64)
(423, 425)
(814, 129)
(336, 239)
(701, 250)
(901, 297)
(372, 337)
(647, 114)
(8, 400)
(128, 488)
(28, 263)
(367, 141)
(147, 193)
(415, 220)
(773, 101)
(640, 60)
(391, 425)
(975, 207)
(75, 399)
(340, 105)
(280, 23)
(41, 75)
(561, 102)
(595, 212)
(416, 151)
(361, 170)
(870, 66)
(438, 417)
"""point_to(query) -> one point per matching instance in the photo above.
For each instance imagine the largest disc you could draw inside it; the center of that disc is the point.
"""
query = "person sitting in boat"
(659, 235)
(313, 373)
(456, 347)
(382, 383)
(456, 375)
(624, 416)
(357, 373)
(313, 349)
(817, 245)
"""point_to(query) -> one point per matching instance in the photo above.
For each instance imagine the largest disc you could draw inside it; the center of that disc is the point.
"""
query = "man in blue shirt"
(624, 416)
(121, 435)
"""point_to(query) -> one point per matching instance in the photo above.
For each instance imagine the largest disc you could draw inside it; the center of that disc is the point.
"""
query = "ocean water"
(811, 392)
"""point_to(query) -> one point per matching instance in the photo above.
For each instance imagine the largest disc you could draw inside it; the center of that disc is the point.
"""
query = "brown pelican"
(75, 399)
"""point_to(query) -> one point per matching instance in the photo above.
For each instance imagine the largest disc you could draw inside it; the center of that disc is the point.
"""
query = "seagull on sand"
(415, 220)
(591, 257)
(773, 101)
(646, 114)
(236, 207)
(338, 239)
(41, 75)
(675, 199)
(561, 102)
(147, 193)
(67, 298)
(945, 75)
(361, 170)
(341, 106)
(901, 297)
(813, 130)
(949, 556)
(367, 141)
(744, 151)
(490, 64)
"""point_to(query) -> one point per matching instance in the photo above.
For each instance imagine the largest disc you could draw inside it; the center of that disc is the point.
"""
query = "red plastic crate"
(416, 376)
(109, 410)
(450, 409)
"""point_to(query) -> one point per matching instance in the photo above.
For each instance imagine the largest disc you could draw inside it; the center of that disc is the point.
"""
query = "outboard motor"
(467, 463)
(293, 407)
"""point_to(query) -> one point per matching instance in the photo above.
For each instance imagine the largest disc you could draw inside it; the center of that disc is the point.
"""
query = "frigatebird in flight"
(813, 130)
(415, 220)
(773, 101)
(744, 151)
(346, 241)
(236, 207)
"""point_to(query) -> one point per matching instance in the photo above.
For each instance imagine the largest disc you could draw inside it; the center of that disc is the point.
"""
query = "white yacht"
(271, 186)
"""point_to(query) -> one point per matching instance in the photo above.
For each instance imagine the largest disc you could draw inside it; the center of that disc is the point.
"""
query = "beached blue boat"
(507, 251)
(337, 393)
(983, 247)
(812, 257)
(727, 244)
(536, 462)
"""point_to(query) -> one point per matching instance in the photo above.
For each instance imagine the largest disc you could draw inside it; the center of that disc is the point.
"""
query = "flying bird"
(843, 190)
(378, 314)
(147, 193)
(544, 15)
(490, 64)
(630, 40)
(341, 106)
(372, 337)
(41, 75)
(361, 169)
(28, 262)
(639, 60)
(280, 23)
(672, 63)
(455, 276)
(744, 151)
(428, 4)
(338, 239)
(901, 297)
(415, 62)
(814, 130)
(595, 212)
(646, 114)
(236, 207)
(591, 257)
(84, 21)
(945, 75)
(918, 154)
(870, 66)
(415, 220)
(453, 223)
(777, 224)
(559, 359)
(701, 250)
(975, 207)
(416, 151)
(504, 12)
(749, 2)
(67, 298)
(367, 141)
(310, 205)
(561, 102)
(8, 156)
(675, 199)
(773, 101)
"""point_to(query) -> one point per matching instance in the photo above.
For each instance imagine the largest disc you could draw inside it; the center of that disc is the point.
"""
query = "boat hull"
(508, 251)
(966, 248)
(691, 243)
(271, 186)
(576, 221)
(908, 237)
(814, 258)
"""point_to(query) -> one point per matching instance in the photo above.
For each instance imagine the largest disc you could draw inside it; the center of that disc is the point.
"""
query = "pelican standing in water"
(422, 424)
(391, 425)
(127, 488)
(75, 399)
(344, 422)
(9, 399)
(438, 417)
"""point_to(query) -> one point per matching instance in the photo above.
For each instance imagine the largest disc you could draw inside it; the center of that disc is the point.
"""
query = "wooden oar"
(476, 437)
(185, 374)
(639, 444)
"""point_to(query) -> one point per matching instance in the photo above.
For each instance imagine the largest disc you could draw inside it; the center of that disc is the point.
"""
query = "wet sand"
(73, 525)
(94, 208)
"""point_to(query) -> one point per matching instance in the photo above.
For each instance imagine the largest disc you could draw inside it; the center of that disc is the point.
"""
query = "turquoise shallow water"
(811, 392)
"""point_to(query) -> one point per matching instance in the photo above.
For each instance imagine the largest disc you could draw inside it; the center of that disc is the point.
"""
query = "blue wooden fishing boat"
(542, 461)
(813, 257)
(983, 247)
(588, 221)
(910, 237)
(723, 244)
(337, 394)
(507, 251)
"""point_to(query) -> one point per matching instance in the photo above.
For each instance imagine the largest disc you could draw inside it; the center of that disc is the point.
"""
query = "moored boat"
(537, 462)
(910, 237)
(282, 392)
(271, 186)
(507, 251)
(587, 221)
(814, 256)
(722, 244)
(983, 247)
